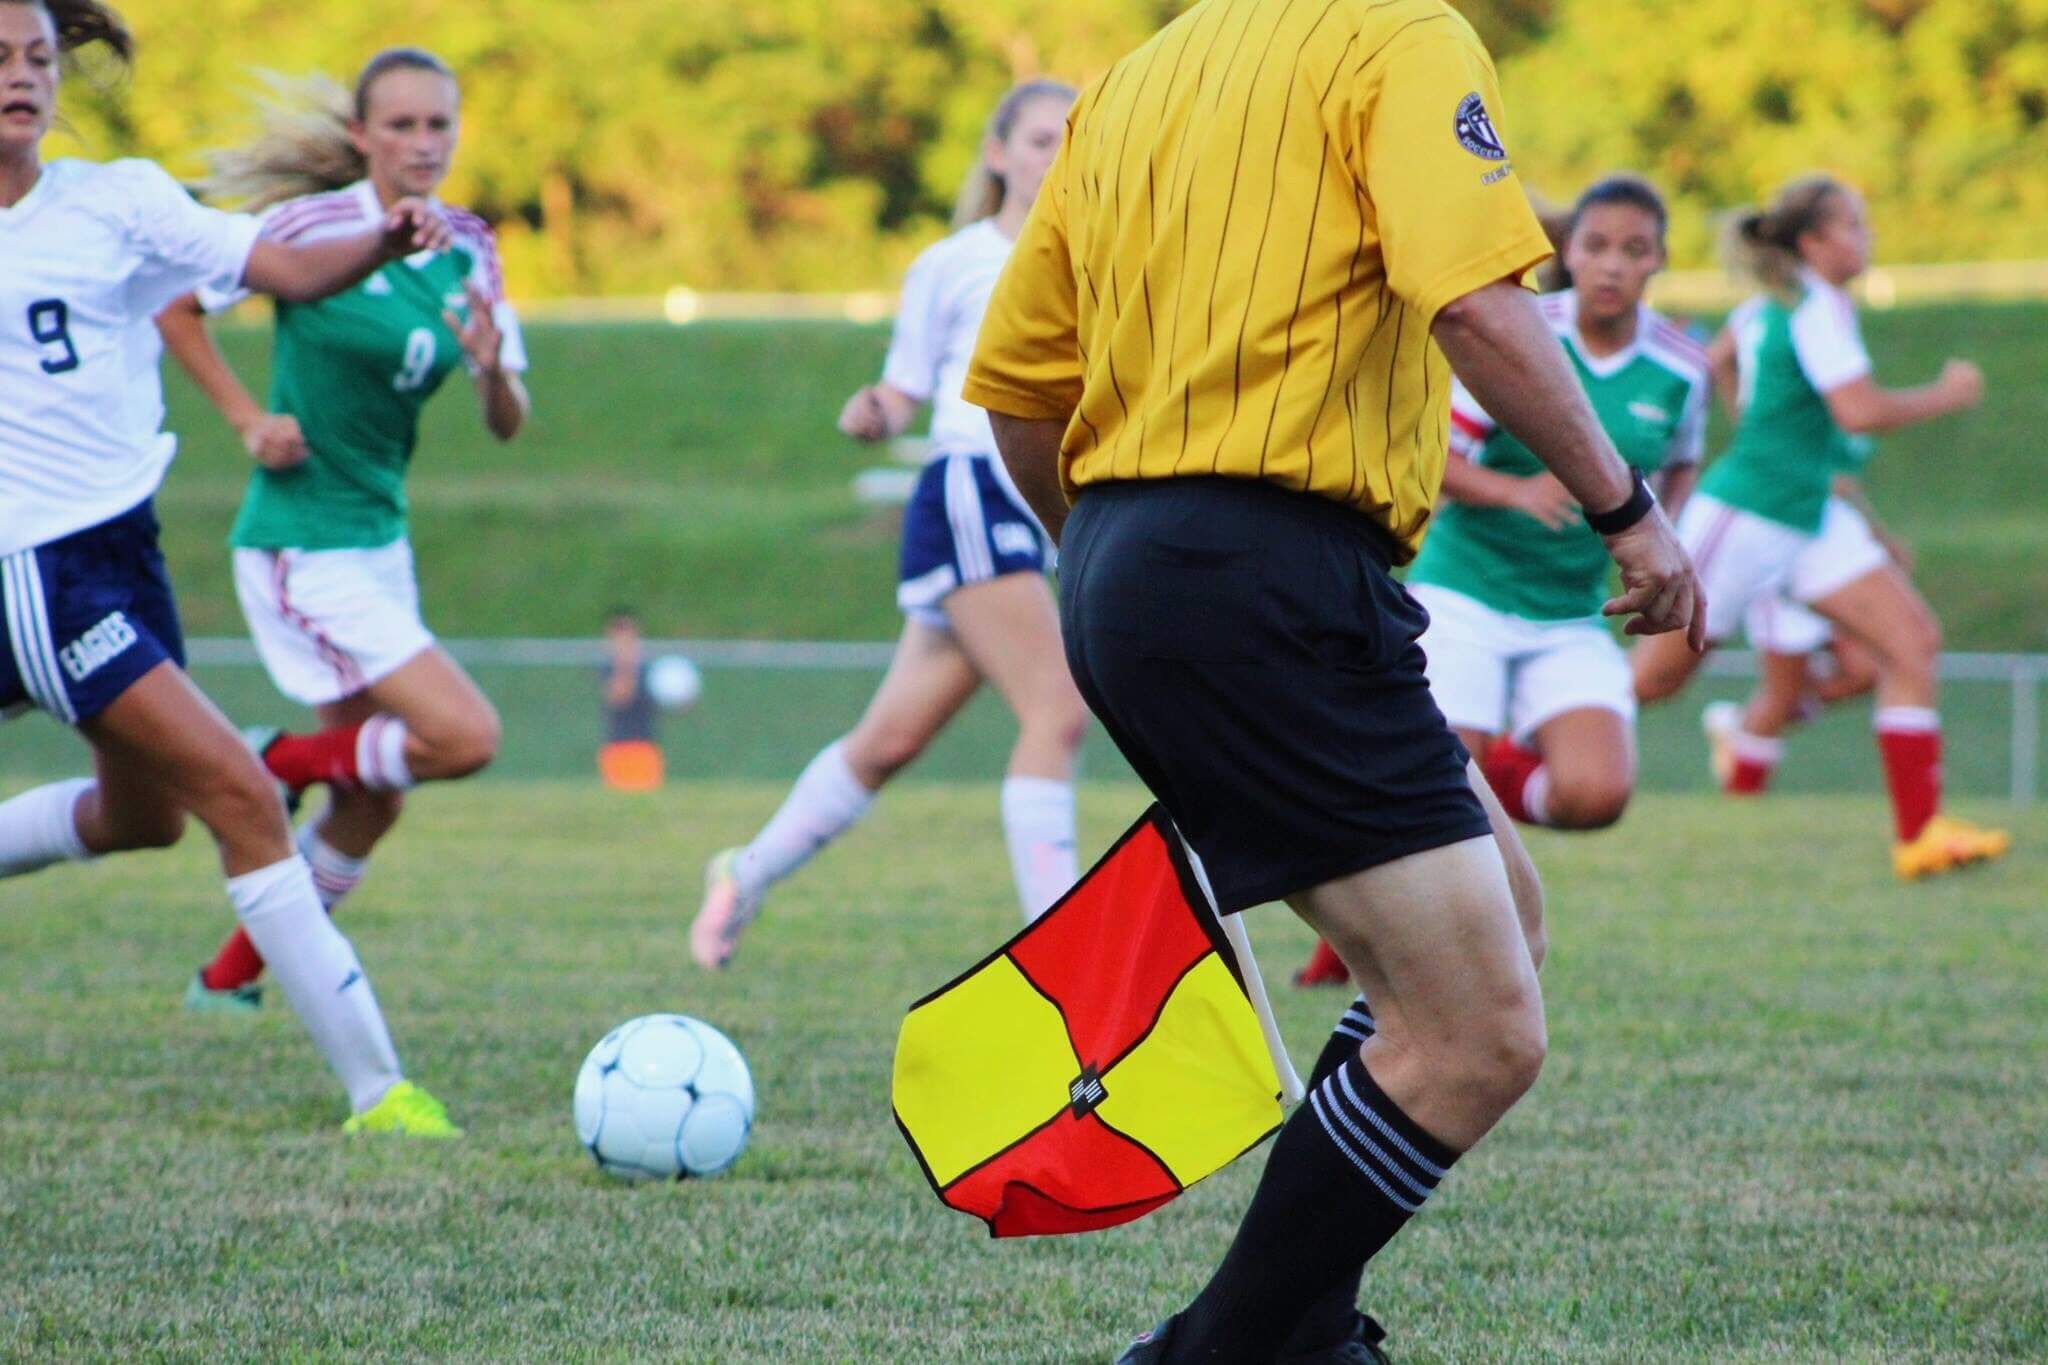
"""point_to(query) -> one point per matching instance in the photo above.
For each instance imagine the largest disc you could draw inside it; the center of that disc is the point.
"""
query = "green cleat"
(246, 999)
(405, 1109)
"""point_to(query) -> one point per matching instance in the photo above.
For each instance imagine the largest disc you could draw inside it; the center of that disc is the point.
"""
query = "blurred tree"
(796, 144)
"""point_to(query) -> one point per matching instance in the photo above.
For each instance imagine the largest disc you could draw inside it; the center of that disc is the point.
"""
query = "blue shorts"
(85, 617)
(963, 525)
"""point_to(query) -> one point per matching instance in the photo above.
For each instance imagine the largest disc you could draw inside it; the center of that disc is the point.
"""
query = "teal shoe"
(240, 1000)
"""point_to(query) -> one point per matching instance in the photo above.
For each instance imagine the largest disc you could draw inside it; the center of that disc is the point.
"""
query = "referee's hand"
(1659, 590)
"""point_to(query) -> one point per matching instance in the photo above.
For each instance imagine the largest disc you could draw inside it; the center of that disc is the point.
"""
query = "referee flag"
(1100, 1062)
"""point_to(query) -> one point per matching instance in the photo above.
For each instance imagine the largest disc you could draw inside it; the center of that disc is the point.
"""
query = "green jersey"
(356, 369)
(1787, 446)
(1652, 401)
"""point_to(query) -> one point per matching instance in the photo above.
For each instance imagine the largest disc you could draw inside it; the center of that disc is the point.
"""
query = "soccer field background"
(1792, 1112)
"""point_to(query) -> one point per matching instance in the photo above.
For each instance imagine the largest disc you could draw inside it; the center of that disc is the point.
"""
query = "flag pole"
(1291, 1088)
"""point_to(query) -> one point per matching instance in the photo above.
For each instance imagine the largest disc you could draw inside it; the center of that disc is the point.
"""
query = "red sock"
(1748, 777)
(1909, 740)
(236, 964)
(1756, 758)
(1324, 968)
(301, 761)
(1508, 768)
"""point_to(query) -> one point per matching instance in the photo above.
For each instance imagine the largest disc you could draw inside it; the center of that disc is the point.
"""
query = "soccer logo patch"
(1475, 130)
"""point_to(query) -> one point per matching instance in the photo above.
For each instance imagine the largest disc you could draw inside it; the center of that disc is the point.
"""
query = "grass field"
(1793, 1110)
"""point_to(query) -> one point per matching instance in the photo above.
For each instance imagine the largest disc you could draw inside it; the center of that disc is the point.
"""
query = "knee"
(161, 827)
(1657, 682)
(1061, 724)
(878, 753)
(240, 801)
(1502, 1065)
(1590, 804)
(471, 744)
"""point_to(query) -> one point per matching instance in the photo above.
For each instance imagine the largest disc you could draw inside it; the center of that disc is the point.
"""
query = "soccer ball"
(664, 1097)
(674, 683)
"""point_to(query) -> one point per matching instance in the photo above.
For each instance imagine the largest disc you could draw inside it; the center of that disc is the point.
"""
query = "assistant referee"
(1222, 337)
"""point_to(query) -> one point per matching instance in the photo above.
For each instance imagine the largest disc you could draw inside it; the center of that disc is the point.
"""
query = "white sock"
(1536, 796)
(1764, 750)
(825, 802)
(335, 874)
(1898, 720)
(1038, 825)
(380, 755)
(40, 827)
(320, 975)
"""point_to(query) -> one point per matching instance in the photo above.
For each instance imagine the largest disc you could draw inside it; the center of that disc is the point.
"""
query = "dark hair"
(1631, 191)
(303, 144)
(1764, 243)
(81, 23)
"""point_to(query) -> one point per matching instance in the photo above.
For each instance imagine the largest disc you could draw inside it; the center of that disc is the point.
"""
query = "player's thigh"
(163, 732)
(435, 697)
(1009, 629)
(1524, 883)
(1591, 754)
(1738, 556)
(1885, 611)
(1576, 697)
(929, 679)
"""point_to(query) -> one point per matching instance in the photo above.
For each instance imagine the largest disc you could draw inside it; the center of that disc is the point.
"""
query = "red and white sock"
(1519, 779)
(370, 756)
(1756, 758)
(1909, 741)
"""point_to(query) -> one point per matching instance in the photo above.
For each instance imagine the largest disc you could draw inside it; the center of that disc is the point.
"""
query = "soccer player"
(972, 584)
(1796, 356)
(1224, 334)
(90, 627)
(323, 568)
(1512, 577)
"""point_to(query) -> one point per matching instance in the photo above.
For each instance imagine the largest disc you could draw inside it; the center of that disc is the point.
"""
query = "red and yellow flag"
(1099, 1063)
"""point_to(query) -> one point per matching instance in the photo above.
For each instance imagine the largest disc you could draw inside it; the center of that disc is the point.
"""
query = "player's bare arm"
(501, 391)
(303, 273)
(1540, 496)
(1503, 350)
(1862, 408)
(1031, 452)
(878, 412)
(273, 439)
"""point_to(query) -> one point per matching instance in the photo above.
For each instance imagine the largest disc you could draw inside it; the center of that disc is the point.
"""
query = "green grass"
(695, 472)
(1793, 1110)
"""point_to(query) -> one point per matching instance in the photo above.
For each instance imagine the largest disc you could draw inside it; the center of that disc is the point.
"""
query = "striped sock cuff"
(1357, 1023)
(1385, 1145)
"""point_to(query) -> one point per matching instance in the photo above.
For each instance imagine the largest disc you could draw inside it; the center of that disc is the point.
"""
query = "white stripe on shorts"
(970, 527)
(28, 631)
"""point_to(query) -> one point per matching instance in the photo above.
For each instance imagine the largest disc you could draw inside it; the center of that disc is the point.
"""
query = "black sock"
(1345, 1175)
(1330, 1318)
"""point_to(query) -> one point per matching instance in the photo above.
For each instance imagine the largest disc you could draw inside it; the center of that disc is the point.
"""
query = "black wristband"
(1638, 506)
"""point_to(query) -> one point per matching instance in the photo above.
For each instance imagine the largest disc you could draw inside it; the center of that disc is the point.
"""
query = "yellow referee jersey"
(1234, 263)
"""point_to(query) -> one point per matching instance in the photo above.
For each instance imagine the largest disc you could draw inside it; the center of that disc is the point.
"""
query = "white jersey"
(944, 297)
(91, 254)
(87, 259)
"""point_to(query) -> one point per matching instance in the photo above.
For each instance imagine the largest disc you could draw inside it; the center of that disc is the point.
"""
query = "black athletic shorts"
(1250, 653)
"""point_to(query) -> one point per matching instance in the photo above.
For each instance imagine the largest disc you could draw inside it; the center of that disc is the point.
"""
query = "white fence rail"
(2021, 674)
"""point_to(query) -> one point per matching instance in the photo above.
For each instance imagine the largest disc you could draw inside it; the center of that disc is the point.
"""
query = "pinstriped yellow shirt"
(1235, 261)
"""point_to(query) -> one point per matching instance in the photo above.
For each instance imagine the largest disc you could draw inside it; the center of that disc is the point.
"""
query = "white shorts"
(1744, 560)
(1497, 673)
(330, 623)
(1776, 624)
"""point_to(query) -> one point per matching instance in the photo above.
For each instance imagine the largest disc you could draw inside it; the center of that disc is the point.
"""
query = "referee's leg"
(1435, 942)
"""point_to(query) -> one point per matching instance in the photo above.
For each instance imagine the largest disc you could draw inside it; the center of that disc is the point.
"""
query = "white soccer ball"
(674, 683)
(664, 1097)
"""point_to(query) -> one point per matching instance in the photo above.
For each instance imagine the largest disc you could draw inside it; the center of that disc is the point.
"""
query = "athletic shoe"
(259, 738)
(243, 999)
(1151, 1346)
(407, 1110)
(1361, 1347)
(1324, 968)
(1719, 720)
(1947, 844)
(724, 916)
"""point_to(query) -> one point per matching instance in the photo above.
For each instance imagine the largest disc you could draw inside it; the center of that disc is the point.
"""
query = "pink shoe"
(723, 917)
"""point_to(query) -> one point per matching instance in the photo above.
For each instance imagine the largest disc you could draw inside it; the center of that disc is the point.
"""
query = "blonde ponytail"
(1763, 244)
(982, 194)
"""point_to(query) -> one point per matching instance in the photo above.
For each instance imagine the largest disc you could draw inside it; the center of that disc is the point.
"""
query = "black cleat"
(1361, 1347)
(1150, 1347)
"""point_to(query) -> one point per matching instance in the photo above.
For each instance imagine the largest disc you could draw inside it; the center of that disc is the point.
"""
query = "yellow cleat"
(407, 1110)
(1947, 844)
